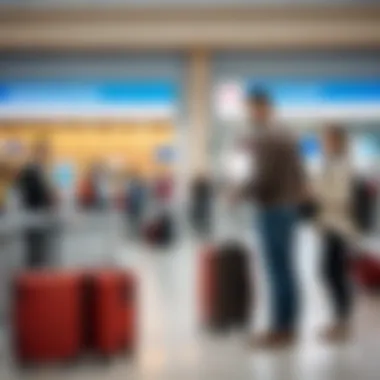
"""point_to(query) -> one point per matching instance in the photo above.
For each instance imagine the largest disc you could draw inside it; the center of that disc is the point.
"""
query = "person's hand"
(308, 194)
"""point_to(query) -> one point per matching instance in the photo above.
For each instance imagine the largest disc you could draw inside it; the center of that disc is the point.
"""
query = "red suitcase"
(112, 312)
(47, 317)
(207, 289)
(367, 271)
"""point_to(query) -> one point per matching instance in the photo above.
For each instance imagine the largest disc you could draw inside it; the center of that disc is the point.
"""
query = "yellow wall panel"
(86, 142)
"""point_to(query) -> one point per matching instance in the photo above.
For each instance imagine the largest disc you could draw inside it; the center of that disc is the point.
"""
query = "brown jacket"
(279, 177)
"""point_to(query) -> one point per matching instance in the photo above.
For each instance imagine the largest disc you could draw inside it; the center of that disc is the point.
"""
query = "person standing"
(277, 186)
(37, 199)
(333, 193)
(202, 204)
(136, 194)
(5, 184)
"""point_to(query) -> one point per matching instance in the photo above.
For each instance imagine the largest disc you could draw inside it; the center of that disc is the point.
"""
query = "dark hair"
(259, 95)
(338, 133)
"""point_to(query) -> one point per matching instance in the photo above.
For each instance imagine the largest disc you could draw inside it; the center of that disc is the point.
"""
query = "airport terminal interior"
(139, 110)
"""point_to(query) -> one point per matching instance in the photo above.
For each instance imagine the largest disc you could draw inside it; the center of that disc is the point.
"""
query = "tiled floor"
(173, 347)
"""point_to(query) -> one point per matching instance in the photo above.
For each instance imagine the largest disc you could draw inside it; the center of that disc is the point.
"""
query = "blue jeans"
(277, 225)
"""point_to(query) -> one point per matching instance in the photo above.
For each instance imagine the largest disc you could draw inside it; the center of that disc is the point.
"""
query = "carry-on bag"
(110, 316)
(225, 286)
(366, 265)
(47, 323)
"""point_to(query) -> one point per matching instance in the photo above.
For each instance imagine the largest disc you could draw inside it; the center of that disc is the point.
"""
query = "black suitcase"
(231, 296)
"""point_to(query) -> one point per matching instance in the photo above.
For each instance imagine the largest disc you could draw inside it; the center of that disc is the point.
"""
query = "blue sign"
(124, 92)
(314, 92)
(64, 175)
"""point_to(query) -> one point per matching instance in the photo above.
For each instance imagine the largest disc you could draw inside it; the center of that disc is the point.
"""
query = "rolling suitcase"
(207, 275)
(367, 272)
(47, 317)
(111, 312)
(225, 287)
(366, 266)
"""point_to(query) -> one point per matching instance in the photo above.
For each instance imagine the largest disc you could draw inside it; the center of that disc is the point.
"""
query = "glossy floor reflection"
(173, 346)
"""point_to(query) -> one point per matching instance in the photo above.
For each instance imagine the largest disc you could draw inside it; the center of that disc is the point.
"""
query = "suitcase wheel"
(72, 362)
(374, 289)
(104, 359)
(23, 365)
(126, 350)
(218, 327)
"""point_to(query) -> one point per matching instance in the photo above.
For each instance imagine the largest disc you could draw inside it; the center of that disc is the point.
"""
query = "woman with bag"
(333, 191)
